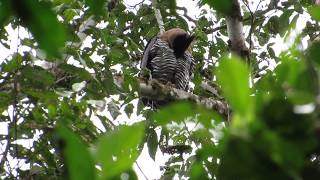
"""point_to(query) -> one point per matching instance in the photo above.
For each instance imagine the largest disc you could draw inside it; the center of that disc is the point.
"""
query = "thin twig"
(189, 132)
(141, 170)
(251, 22)
(15, 102)
(134, 6)
(185, 14)
(6, 150)
(209, 31)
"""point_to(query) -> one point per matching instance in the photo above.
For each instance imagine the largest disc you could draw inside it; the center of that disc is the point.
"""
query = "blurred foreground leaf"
(79, 161)
(117, 150)
(233, 76)
(178, 112)
(43, 23)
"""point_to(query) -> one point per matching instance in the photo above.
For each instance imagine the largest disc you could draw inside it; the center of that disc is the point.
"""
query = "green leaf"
(198, 172)
(114, 109)
(118, 55)
(69, 14)
(233, 76)
(298, 8)
(313, 52)
(129, 109)
(222, 6)
(43, 23)
(13, 64)
(263, 38)
(128, 174)
(43, 95)
(169, 4)
(108, 83)
(273, 25)
(79, 72)
(79, 161)
(97, 7)
(37, 77)
(152, 143)
(130, 84)
(284, 21)
(117, 150)
(5, 100)
(178, 112)
(314, 11)
(271, 52)
(175, 112)
(5, 11)
(52, 111)
(298, 79)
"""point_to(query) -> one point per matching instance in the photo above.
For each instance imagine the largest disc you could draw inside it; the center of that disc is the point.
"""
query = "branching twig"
(135, 5)
(185, 14)
(210, 31)
(252, 18)
(15, 101)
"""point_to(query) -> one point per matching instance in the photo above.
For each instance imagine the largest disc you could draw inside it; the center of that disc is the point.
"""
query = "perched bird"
(169, 59)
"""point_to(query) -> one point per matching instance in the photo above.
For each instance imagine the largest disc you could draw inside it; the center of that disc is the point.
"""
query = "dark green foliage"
(42, 22)
(315, 12)
(76, 155)
(152, 142)
(222, 6)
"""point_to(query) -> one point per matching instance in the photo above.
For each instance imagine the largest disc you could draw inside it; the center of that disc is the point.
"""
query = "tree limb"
(157, 13)
(235, 31)
(156, 91)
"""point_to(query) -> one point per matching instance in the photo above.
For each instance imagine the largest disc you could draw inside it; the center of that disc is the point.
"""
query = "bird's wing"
(146, 53)
(190, 59)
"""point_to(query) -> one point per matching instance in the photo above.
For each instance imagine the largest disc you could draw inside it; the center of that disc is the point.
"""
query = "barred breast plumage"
(168, 58)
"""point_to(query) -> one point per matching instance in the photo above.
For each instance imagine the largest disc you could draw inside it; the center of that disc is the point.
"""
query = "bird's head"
(178, 39)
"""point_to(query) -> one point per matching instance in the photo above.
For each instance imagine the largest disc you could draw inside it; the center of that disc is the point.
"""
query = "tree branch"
(235, 31)
(156, 91)
(209, 31)
(185, 14)
(157, 13)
